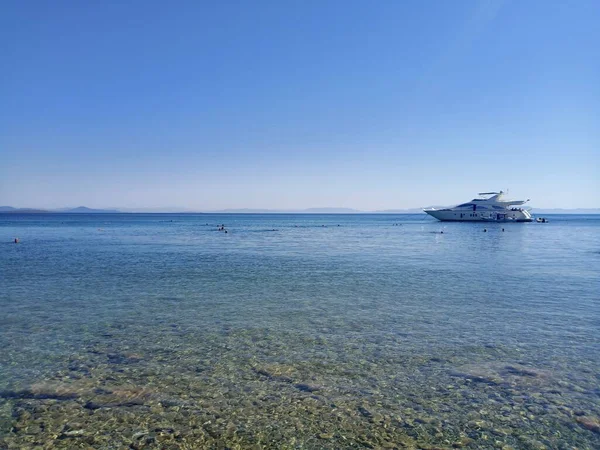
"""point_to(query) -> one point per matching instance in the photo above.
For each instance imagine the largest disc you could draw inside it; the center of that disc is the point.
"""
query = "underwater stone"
(365, 412)
(73, 433)
(522, 371)
(377, 418)
(139, 435)
(307, 387)
(326, 436)
(590, 423)
(462, 442)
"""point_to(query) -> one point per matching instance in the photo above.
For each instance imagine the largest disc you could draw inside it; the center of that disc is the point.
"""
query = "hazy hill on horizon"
(85, 209)
(79, 209)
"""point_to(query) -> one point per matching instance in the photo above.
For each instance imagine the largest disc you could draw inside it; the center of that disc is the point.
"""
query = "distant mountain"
(10, 209)
(400, 211)
(160, 209)
(287, 211)
(566, 211)
(331, 210)
(245, 211)
(79, 209)
(85, 209)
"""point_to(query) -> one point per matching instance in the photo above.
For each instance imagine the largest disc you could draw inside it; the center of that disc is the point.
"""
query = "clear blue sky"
(290, 104)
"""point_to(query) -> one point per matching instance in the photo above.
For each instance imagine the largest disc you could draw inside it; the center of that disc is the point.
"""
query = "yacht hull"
(461, 216)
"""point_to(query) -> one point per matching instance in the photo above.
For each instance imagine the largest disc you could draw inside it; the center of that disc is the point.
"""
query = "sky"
(289, 104)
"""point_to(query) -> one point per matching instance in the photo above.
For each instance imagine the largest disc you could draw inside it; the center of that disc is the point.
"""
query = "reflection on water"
(159, 331)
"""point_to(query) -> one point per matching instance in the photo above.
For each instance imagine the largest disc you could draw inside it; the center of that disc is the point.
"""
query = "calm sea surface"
(298, 331)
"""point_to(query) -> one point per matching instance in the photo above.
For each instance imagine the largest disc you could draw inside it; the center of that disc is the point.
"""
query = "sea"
(298, 331)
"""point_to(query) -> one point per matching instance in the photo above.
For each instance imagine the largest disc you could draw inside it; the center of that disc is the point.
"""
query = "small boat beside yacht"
(492, 208)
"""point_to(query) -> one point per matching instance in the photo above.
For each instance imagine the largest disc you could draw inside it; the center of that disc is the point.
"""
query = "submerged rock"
(589, 423)
(365, 412)
(326, 436)
(462, 442)
(523, 371)
(139, 435)
(307, 387)
(276, 372)
(73, 433)
(477, 377)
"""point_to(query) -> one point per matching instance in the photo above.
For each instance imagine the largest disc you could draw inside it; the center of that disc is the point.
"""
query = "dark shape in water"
(117, 358)
(307, 387)
(94, 405)
(589, 423)
(27, 394)
(476, 378)
(365, 412)
(521, 371)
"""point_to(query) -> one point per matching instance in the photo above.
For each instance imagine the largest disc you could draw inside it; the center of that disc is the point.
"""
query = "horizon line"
(183, 210)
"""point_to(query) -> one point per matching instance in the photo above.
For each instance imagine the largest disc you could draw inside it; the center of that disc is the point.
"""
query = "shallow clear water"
(298, 331)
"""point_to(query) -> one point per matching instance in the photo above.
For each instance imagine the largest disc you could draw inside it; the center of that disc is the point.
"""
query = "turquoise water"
(298, 331)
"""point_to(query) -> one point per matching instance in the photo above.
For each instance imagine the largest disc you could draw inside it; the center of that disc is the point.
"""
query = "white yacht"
(493, 208)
